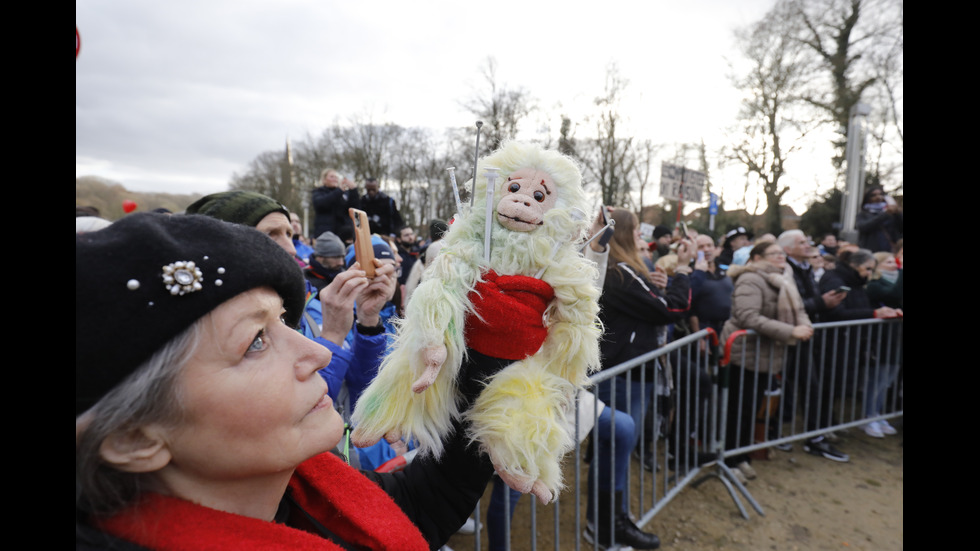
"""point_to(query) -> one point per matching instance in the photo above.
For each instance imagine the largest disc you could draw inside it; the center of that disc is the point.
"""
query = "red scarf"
(339, 497)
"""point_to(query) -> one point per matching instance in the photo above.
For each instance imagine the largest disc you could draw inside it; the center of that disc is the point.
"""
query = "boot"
(624, 531)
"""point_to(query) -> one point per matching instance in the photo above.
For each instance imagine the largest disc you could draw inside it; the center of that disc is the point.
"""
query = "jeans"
(635, 404)
(616, 433)
(877, 381)
(609, 422)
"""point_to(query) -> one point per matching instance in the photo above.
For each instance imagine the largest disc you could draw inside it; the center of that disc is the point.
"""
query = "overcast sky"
(177, 96)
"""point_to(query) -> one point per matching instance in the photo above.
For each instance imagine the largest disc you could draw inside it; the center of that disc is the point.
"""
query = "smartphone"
(363, 249)
(683, 226)
(843, 289)
(608, 233)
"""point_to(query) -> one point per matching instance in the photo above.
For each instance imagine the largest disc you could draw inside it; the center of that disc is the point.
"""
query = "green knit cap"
(239, 207)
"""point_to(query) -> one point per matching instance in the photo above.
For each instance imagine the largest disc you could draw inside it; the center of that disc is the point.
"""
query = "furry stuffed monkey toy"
(518, 333)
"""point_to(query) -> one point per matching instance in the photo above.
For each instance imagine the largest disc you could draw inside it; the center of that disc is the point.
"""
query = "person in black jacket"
(801, 370)
(635, 308)
(880, 222)
(382, 212)
(332, 200)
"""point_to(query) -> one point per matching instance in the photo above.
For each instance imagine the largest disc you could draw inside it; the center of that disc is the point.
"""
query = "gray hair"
(148, 395)
(788, 237)
(859, 257)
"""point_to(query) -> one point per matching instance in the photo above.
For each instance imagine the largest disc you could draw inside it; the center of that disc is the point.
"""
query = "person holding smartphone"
(880, 223)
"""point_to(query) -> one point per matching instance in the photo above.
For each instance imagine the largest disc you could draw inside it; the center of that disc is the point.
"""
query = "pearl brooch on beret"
(182, 277)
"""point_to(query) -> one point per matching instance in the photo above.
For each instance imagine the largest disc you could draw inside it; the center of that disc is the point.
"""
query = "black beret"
(143, 280)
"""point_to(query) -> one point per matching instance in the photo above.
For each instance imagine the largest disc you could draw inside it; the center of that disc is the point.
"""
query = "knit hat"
(381, 251)
(146, 278)
(328, 245)
(240, 207)
(660, 231)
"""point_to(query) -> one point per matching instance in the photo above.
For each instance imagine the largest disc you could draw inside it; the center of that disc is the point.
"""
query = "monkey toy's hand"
(433, 357)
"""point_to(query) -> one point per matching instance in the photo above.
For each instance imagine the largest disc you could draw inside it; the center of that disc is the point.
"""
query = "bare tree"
(499, 107)
(419, 172)
(267, 174)
(608, 158)
(856, 47)
(767, 131)
(363, 147)
(645, 170)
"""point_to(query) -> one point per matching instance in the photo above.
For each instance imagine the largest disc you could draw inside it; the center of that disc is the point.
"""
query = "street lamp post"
(854, 156)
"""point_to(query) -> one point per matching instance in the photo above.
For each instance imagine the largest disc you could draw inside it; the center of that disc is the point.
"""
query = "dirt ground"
(809, 503)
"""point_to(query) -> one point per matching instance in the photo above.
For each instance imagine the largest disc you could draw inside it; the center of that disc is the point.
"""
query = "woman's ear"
(141, 450)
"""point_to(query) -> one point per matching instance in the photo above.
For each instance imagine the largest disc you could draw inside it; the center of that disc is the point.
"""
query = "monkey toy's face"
(528, 194)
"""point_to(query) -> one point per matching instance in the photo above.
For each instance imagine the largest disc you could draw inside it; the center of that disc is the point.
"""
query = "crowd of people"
(208, 413)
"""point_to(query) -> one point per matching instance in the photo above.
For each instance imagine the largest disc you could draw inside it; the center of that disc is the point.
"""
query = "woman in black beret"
(200, 420)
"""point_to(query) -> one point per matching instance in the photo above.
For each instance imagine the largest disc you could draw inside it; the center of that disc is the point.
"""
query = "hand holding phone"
(683, 228)
(607, 235)
(363, 248)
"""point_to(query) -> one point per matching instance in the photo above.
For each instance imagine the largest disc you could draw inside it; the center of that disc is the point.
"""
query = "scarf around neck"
(890, 276)
(876, 207)
(334, 494)
(789, 304)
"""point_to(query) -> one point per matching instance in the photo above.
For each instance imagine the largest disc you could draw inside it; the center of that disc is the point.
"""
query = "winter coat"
(383, 215)
(849, 346)
(711, 298)
(634, 316)
(856, 305)
(881, 292)
(755, 306)
(331, 206)
(879, 231)
(806, 284)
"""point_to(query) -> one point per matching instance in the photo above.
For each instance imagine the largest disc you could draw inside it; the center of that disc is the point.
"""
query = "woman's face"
(865, 270)
(776, 256)
(331, 179)
(642, 246)
(253, 403)
(888, 265)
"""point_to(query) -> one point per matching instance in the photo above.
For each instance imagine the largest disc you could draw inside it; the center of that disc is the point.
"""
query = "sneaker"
(740, 476)
(886, 428)
(468, 527)
(832, 437)
(820, 446)
(747, 470)
(873, 429)
(784, 447)
(650, 461)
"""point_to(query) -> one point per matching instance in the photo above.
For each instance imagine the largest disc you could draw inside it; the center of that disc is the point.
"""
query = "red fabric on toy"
(508, 323)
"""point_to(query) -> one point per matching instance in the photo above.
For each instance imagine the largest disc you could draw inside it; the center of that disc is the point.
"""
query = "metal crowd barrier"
(686, 420)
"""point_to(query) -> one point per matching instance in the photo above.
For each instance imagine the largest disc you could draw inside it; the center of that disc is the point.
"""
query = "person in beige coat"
(767, 302)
